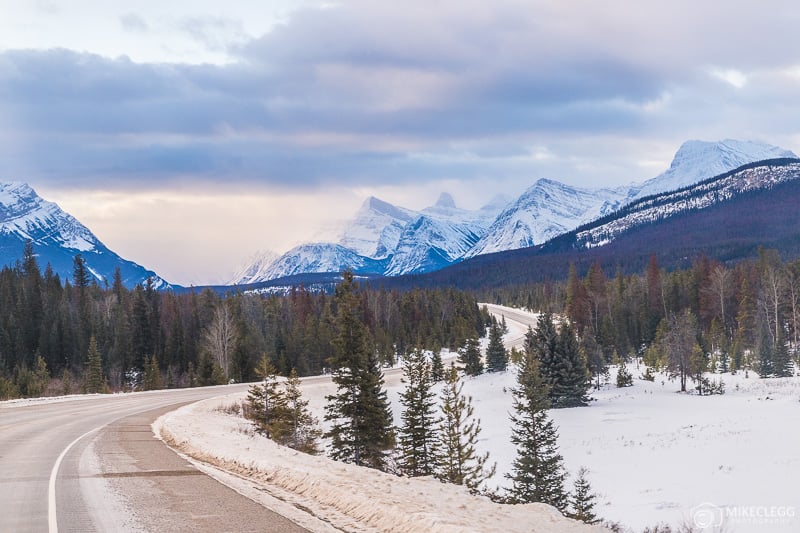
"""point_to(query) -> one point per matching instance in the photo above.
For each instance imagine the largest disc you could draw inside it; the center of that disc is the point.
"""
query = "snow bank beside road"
(348, 497)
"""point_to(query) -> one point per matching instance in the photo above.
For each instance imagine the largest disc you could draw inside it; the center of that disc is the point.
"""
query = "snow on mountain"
(551, 208)
(699, 160)
(57, 237)
(429, 244)
(662, 206)
(376, 229)
(547, 209)
(321, 257)
(255, 267)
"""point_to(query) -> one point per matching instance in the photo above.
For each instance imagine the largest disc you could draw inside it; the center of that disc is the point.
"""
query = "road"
(93, 464)
(517, 321)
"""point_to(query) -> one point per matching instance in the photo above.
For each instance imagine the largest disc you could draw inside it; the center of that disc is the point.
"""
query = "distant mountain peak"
(446, 200)
(57, 237)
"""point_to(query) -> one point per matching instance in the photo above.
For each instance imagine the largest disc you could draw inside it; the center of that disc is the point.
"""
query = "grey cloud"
(353, 93)
(133, 23)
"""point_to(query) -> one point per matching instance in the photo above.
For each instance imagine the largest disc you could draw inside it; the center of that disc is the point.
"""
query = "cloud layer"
(362, 95)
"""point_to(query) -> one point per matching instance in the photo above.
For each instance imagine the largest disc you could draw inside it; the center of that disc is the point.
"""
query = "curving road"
(518, 322)
(92, 464)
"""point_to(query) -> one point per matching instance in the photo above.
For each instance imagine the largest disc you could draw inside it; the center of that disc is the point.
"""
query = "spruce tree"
(496, 354)
(543, 344)
(470, 357)
(94, 369)
(437, 368)
(417, 435)
(152, 375)
(303, 431)
(267, 403)
(583, 500)
(458, 460)
(781, 360)
(571, 379)
(537, 473)
(361, 429)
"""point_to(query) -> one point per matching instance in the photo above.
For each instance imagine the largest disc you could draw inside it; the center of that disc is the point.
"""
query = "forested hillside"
(144, 338)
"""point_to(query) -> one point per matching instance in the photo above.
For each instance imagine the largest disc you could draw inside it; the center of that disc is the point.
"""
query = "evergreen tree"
(470, 357)
(94, 369)
(152, 375)
(582, 500)
(624, 377)
(571, 379)
(458, 460)
(304, 433)
(781, 360)
(417, 435)
(496, 354)
(765, 350)
(537, 473)
(543, 344)
(437, 368)
(361, 420)
(268, 404)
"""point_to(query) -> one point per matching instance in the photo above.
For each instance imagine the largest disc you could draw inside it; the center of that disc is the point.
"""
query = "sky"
(189, 135)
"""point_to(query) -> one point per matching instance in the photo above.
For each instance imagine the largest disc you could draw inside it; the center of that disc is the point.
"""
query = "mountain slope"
(550, 208)
(57, 237)
(321, 258)
(376, 229)
(728, 218)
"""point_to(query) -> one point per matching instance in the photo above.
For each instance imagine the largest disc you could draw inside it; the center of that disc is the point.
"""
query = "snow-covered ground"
(653, 455)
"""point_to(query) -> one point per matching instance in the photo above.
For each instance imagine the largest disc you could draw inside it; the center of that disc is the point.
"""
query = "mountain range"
(388, 240)
(57, 237)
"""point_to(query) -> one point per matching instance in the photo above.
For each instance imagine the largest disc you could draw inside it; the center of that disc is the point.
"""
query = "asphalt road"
(93, 464)
(521, 318)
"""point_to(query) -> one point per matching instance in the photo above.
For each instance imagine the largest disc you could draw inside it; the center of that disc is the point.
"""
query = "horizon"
(188, 138)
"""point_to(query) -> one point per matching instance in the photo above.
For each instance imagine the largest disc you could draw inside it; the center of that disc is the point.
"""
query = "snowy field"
(654, 456)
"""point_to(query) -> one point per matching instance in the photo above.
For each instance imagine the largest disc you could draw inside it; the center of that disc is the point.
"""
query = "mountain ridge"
(404, 244)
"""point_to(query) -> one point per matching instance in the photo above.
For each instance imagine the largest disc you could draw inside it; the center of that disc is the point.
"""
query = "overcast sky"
(189, 134)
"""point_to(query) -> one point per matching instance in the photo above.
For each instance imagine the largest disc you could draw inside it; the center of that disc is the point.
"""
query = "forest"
(744, 316)
(70, 336)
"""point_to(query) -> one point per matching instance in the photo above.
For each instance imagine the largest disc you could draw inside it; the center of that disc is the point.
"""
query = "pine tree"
(781, 360)
(304, 432)
(543, 344)
(267, 402)
(152, 375)
(470, 357)
(624, 377)
(361, 429)
(537, 472)
(417, 435)
(94, 369)
(571, 379)
(582, 500)
(496, 354)
(437, 368)
(458, 460)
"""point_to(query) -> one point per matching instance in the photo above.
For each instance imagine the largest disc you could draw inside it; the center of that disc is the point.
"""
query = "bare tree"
(719, 290)
(220, 337)
(678, 341)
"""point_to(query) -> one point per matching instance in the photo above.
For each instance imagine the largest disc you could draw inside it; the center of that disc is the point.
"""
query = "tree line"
(51, 329)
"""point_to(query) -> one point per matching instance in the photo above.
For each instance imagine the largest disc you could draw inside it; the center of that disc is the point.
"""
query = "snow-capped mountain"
(699, 160)
(321, 257)
(254, 269)
(547, 209)
(390, 240)
(387, 239)
(551, 208)
(57, 237)
(376, 229)
(660, 207)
